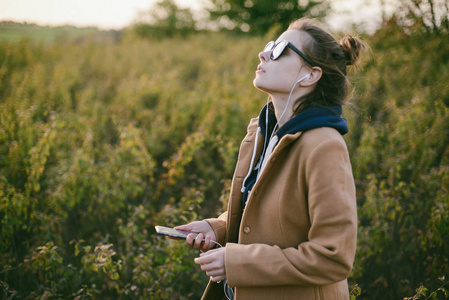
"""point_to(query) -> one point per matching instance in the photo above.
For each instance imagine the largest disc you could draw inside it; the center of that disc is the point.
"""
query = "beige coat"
(296, 238)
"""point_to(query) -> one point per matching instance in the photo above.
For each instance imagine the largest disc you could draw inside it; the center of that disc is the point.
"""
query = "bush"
(400, 158)
(102, 140)
(99, 143)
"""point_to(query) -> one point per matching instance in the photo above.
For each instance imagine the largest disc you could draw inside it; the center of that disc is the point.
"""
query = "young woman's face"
(278, 76)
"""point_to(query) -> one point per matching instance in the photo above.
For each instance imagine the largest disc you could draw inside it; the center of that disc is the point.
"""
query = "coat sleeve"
(219, 227)
(328, 254)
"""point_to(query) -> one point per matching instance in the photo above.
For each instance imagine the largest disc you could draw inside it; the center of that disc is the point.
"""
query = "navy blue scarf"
(312, 117)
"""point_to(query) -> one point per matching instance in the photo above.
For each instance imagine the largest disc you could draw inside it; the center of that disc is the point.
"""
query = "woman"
(291, 224)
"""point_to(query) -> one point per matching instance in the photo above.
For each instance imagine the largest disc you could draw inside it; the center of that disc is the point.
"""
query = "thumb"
(186, 227)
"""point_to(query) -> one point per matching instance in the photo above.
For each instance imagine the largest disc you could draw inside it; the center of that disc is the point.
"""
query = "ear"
(314, 75)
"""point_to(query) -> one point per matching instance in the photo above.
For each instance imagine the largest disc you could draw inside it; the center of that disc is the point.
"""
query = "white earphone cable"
(228, 291)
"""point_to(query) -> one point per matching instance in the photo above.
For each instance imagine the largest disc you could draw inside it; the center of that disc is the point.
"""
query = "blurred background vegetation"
(104, 134)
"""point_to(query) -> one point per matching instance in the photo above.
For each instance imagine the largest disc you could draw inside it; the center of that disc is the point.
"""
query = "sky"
(116, 14)
(105, 14)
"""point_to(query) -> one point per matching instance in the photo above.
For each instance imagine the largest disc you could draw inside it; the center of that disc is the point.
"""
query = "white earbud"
(307, 76)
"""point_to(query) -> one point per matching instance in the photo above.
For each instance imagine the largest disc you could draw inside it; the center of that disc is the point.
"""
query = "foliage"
(100, 140)
(356, 291)
(12, 31)
(422, 291)
(400, 157)
(165, 19)
(429, 15)
(259, 16)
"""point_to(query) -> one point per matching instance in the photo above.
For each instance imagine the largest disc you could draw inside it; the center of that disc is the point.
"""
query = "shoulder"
(322, 136)
(320, 146)
(318, 135)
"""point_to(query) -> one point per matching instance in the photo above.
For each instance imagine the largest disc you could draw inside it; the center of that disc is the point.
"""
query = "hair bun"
(352, 47)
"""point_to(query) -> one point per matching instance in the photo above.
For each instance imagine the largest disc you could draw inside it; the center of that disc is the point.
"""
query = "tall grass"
(100, 140)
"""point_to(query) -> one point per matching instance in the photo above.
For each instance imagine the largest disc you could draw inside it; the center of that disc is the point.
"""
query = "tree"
(165, 19)
(259, 16)
(431, 15)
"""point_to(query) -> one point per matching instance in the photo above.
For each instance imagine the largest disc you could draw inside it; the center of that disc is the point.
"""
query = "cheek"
(290, 73)
(283, 79)
(278, 78)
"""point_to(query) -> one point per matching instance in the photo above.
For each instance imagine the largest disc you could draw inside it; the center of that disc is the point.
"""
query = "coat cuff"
(219, 227)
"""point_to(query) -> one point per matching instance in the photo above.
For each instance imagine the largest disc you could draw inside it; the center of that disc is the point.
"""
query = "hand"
(213, 263)
(205, 231)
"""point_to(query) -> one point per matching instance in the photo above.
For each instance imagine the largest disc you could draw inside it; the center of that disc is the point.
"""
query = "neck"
(282, 110)
(283, 107)
(284, 102)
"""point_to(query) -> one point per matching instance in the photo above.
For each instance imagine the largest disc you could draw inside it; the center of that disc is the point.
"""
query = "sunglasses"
(278, 48)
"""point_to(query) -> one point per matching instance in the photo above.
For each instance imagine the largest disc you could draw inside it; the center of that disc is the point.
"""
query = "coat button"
(246, 229)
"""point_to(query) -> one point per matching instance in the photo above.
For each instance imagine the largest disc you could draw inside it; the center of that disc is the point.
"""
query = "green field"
(14, 32)
(103, 138)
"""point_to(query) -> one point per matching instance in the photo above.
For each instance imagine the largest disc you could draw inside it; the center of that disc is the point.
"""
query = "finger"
(214, 273)
(206, 244)
(210, 267)
(203, 260)
(198, 241)
(186, 227)
(208, 257)
(192, 226)
(190, 239)
(218, 278)
(210, 252)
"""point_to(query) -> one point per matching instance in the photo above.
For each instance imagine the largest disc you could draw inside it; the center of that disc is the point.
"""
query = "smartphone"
(173, 232)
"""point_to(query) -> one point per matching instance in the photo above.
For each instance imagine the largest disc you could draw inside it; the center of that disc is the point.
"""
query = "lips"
(260, 69)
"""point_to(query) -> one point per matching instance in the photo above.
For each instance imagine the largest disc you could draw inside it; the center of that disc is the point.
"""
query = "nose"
(264, 55)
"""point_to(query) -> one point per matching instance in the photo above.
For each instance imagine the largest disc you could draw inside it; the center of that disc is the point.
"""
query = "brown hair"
(332, 57)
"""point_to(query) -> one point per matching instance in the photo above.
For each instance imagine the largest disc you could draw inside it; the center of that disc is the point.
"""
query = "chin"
(255, 81)
(257, 84)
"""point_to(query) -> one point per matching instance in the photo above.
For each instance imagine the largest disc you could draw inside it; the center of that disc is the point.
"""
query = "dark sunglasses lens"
(278, 50)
